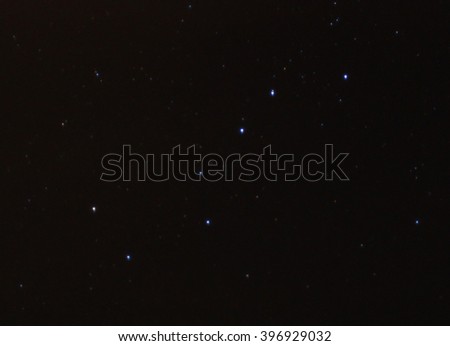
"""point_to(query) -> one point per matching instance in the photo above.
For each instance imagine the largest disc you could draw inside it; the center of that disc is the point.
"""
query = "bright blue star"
(272, 92)
(417, 222)
(242, 130)
(345, 76)
(128, 258)
(208, 222)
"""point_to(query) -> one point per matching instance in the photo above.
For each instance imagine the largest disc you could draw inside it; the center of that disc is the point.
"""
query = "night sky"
(81, 79)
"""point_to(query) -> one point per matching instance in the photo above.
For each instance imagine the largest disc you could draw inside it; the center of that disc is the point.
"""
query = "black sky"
(81, 79)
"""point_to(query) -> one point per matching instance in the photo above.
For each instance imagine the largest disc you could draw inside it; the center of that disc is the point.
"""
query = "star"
(417, 222)
(241, 130)
(345, 76)
(94, 209)
(128, 258)
(272, 92)
(208, 222)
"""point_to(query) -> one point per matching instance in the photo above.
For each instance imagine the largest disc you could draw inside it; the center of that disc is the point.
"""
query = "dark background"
(195, 72)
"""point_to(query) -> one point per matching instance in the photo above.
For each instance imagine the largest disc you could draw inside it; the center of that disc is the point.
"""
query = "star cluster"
(81, 81)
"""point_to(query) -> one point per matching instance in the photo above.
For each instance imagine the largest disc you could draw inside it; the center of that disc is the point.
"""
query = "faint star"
(128, 258)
